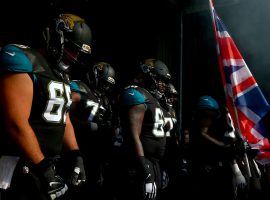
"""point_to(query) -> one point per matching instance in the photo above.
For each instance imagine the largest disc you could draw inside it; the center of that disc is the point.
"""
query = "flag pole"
(238, 132)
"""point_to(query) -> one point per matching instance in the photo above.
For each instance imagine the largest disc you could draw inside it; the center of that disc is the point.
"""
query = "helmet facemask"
(159, 85)
(172, 95)
(156, 76)
(105, 87)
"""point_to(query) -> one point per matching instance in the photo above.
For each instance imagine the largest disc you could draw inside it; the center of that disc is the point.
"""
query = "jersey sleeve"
(79, 87)
(13, 59)
(74, 87)
(132, 97)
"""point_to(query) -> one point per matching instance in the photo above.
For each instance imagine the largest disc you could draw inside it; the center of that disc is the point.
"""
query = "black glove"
(53, 184)
(150, 187)
(77, 173)
(164, 179)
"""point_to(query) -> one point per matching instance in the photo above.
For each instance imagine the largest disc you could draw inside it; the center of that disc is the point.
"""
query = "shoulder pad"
(131, 97)
(79, 87)
(13, 59)
(131, 86)
(21, 46)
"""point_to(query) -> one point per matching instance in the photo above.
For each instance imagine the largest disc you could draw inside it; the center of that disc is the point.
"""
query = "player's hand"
(150, 188)
(164, 179)
(52, 183)
(150, 191)
(77, 174)
(239, 181)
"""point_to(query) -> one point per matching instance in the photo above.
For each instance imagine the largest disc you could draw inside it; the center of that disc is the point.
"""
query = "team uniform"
(92, 118)
(152, 137)
(51, 100)
(211, 162)
(172, 147)
(93, 107)
(51, 97)
(171, 129)
(170, 121)
(170, 163)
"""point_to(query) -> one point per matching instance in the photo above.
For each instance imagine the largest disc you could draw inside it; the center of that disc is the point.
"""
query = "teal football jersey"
(153, 137)
(51, 96)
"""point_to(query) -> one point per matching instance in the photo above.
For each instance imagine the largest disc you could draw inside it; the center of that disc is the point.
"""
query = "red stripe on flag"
(263, 155)
(266, 144)
(245, 126)
(228, 50)
(243, 85)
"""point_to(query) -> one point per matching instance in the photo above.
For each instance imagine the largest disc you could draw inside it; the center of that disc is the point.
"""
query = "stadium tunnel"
(178, 32)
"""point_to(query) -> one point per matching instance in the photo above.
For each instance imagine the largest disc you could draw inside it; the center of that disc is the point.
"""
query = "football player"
(142, 123)
(170, 163)
(172, 98)
(35, 124)
(168, 102)
(213, 157)
(91, 113)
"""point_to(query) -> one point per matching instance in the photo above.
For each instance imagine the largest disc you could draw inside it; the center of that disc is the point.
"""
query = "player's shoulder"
(133, 95)
(79, 87)
(13, 58)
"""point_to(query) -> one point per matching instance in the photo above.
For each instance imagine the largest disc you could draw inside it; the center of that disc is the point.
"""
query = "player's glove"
(164, 179)
(76, 175)
(52, 183)
(150, 187)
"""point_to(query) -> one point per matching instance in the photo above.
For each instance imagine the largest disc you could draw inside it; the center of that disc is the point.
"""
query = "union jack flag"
(245, 101)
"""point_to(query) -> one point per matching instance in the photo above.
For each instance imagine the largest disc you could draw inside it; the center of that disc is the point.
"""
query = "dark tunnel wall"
(126, 31)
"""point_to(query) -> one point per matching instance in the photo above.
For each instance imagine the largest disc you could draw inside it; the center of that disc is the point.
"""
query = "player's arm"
(74, 116)
(134, 104)
(70, 142)
(204, 131)
(74, 159)
(75, 91)
(76, 96)
(135, 120)
(16, 101)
